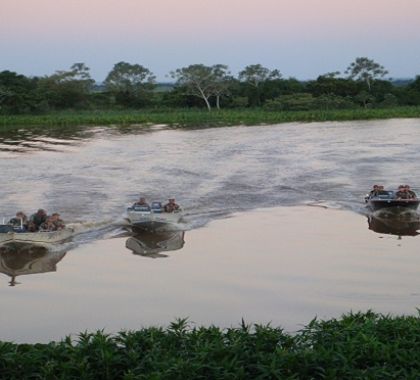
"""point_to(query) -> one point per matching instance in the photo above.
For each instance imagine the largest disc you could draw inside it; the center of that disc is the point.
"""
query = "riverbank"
(198, 118)
(357, 345)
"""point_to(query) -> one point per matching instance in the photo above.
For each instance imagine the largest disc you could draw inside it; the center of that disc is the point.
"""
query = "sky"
(301, 38)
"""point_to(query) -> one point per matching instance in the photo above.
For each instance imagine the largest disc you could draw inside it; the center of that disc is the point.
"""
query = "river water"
(275, 225)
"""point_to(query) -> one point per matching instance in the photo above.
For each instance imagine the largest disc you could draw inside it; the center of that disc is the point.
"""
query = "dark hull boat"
(387, 199)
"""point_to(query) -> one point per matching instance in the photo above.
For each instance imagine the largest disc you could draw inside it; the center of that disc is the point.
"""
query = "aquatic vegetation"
(361, 345)
(199, 118)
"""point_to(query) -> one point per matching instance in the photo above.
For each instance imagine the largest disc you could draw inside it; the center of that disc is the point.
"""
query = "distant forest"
(133, 86)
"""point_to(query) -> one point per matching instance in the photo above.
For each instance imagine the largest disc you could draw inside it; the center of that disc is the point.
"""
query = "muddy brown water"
(275, 227)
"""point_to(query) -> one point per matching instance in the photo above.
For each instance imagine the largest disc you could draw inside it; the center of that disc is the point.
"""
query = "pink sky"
(303, 38)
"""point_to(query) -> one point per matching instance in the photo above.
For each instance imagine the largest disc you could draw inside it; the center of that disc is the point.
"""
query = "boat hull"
(396, 204)
(41, 237)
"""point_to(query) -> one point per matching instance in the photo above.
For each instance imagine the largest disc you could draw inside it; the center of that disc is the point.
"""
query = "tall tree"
(79, 75)
(132, 84)
(198, 80)
(255, 76)
(222, 80)
(127, 77)
(366, 70)
(68, 88)
(18, 93)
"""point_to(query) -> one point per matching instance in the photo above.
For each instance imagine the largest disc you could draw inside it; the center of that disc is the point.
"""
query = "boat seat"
(157, 207)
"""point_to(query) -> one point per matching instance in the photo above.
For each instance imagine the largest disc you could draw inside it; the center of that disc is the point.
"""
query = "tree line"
(133, 86)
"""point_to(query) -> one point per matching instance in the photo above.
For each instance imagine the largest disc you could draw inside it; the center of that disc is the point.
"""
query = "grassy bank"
(191, 117)
(353, 347)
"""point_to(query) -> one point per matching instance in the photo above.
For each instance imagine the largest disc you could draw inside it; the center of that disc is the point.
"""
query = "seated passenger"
(141, 202)
(402, 193)
(411, 193)
(374, 191)
(381, 190)
(20, 220)
(53, 223)
(171, 206)
(36, 220)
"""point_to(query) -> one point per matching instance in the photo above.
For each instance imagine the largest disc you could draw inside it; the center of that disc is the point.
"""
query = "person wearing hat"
(141, 202)
(374, 191)
(20, 220)
(411, 193)
(53, 223)
(36, 220)
(402, 193)
(171, 206)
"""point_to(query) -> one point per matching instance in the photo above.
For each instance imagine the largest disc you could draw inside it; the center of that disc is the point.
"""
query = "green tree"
(18, 94)
(197, 80)
(222, 82)
(5, 95)
(330, 84)
(366, 70)
(131, 84)
(255, 76)
(415, 85)
(365, 98)
(66, 89)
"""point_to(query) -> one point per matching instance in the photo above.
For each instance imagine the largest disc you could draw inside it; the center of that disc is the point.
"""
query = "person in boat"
(411, 193)
(374, 191)
(53, 223)
(381, 190)
(20, 220)
(36, 220)
(171, 206)
(141, 202)
(402, 193)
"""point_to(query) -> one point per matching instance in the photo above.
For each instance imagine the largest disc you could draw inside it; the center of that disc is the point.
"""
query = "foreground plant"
(358, 345)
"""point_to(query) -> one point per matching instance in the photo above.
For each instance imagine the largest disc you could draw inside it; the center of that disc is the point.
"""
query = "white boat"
(17, 259)
(10, 234)
(153, 217)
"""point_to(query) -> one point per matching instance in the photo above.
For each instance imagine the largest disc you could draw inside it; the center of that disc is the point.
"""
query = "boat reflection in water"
(151, 244)
(400, 224)
(17, 259)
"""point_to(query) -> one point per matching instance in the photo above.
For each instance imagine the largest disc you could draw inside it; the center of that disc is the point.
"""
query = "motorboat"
(9, 233)
(388, 199)
(153, 217)
(149, 244)
(17, 259)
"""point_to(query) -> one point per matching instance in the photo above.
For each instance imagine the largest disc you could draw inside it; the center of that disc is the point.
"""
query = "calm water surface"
(275, 226)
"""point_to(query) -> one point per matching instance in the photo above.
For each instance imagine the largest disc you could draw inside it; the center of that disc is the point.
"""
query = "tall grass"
(357, 346)
(197, 118)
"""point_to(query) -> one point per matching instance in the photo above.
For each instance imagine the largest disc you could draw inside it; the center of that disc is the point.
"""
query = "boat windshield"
(385, 195)
(140, 208)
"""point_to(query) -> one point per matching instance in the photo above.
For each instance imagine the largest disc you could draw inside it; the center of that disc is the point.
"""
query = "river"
(275, 225)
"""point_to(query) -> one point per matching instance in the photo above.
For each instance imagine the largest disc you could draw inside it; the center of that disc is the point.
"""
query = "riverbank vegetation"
(356, 346)
(191, 117)
(130, 94)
